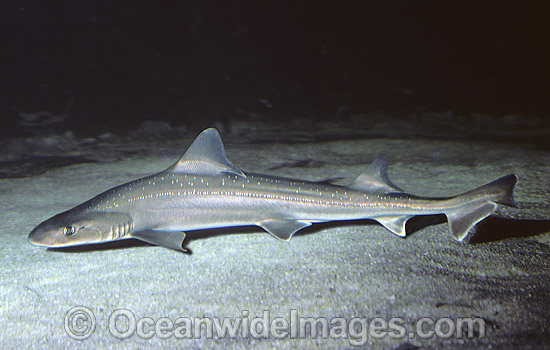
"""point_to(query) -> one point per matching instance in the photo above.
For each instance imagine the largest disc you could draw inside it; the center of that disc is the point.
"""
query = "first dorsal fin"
(205, 156)
(375, 178)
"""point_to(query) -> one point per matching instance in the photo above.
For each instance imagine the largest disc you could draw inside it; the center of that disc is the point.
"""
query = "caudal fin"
(475, 205)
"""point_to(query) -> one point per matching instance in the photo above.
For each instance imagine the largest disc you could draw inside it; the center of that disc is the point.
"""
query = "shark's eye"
(69, 230)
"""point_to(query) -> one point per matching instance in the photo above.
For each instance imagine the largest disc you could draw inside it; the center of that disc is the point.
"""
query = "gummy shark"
(204, 190)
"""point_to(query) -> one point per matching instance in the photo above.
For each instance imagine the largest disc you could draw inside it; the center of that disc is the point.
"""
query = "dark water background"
(103, 66)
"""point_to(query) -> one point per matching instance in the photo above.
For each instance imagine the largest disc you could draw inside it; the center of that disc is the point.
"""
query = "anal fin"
(396, 224)
(282, 228)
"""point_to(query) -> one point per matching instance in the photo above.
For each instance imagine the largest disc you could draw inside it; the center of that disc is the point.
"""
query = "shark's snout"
(39, 237)
(50, 232)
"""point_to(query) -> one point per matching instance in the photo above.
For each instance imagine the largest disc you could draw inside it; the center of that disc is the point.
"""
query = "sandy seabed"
(360, 284)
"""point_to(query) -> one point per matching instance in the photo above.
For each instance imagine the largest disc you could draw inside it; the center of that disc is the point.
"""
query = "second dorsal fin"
(375, 178)
(205, 156)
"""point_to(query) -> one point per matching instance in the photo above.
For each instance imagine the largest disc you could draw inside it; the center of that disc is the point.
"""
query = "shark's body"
(204, 190)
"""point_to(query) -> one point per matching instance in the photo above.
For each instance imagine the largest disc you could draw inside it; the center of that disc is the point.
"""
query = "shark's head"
(75, 228)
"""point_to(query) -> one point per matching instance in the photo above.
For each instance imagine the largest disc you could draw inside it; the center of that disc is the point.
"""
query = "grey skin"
(204, 190)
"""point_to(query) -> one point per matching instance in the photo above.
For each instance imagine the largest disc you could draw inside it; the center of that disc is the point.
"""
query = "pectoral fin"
(281, 228)
(167, 239)
(395, 224)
